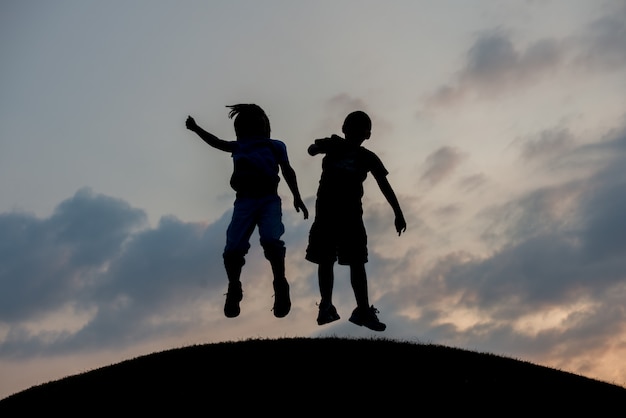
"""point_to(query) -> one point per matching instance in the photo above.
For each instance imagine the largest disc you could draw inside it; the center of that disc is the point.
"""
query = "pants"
(248, 213)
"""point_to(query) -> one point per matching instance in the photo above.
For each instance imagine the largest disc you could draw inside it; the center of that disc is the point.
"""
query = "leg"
(271, 228)
(237, 245)
(238, 238)
(364, 314)
(326, 278)
(358, 279)
(322, 250)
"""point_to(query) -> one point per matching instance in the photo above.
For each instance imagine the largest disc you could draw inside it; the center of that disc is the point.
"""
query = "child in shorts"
(338, 232)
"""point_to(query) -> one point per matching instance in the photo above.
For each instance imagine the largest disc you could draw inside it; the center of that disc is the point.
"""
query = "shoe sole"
(379, 328)
(232, 312)
(328, 320)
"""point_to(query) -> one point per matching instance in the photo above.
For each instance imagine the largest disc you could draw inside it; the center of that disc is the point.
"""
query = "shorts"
(342, 239)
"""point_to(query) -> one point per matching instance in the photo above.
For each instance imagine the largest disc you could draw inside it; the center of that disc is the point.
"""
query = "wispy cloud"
(441, 164)
(496, 64)
(547, 144)
(602, 42)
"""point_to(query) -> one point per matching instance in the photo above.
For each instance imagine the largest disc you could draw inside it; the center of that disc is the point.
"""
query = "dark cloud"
(604, 206)
(441, 164)
(47, 262)
(97, 255)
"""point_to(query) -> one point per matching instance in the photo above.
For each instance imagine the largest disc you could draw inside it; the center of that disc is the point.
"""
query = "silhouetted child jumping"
(256, 160)
(338, 232)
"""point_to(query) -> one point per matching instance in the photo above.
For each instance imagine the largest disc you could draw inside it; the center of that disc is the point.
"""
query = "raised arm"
(289, 175)
(390, 195)
(209, 138)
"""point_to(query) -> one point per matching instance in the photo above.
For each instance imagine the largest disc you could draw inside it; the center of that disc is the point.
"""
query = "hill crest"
(352, 375)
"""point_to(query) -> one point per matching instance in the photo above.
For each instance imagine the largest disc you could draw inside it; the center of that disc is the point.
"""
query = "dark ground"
(327, 376)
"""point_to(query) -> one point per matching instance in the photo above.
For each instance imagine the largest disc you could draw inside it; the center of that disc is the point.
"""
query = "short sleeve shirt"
(256, 165)
(344, 169)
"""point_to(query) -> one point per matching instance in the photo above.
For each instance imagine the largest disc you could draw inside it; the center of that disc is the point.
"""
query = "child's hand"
(299, 204)
(400, 224)
(191, 124)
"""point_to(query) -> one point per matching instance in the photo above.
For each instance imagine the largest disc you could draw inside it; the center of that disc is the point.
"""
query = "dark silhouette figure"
(338, 232)
(256, 160)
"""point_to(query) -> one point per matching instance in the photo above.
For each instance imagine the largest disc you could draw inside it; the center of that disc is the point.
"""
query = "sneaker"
(282, 302)
(233, 297)
(367, 317)
(327, 313)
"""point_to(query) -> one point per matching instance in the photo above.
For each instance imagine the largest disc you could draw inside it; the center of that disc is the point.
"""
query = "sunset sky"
(502, 124)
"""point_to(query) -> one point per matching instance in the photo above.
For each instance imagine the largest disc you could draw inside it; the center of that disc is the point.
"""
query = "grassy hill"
(328, 376)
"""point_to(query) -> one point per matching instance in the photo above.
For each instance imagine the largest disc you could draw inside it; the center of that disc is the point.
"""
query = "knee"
(273, 249)
(234, 258)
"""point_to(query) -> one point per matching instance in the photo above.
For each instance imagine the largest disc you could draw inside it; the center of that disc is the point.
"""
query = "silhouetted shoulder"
(280, 150)
(373, 163)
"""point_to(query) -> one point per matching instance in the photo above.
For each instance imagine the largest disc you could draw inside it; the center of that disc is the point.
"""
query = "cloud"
(96, 264)
(560, 240)
(46, 262)
(602, 42)
(440, 164)
(551, 290)
(472, 182)
(552, 287)
(496, 65)
(547, 144)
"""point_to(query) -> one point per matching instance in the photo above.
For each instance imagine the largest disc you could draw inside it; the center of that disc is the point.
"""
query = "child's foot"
(282, 302)
(233, 297)
(367, 317)
(327, 313)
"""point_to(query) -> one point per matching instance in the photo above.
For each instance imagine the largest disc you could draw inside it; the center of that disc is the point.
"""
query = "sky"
(502, 125)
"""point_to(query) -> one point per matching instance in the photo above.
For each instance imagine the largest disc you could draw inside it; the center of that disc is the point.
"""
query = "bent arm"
(314, 149)
(209, 138)
(390, 195)
(289, 175)
(320, 146)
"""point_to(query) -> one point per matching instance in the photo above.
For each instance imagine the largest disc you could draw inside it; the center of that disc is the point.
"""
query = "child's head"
(357, 125)
(250, 121)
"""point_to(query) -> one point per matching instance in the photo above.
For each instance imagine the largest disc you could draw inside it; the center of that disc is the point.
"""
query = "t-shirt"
(344, 169)
(255, 166)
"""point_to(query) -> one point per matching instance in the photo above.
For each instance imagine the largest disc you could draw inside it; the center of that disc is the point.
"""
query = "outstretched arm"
(320, 146)
(207, 137)
(290, 178)
(313, 149)
(390, 195)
